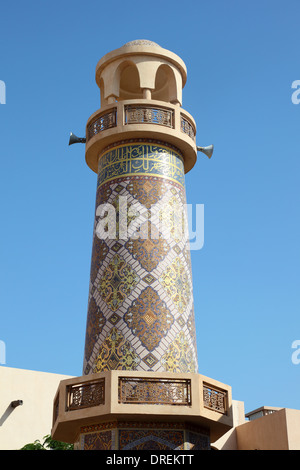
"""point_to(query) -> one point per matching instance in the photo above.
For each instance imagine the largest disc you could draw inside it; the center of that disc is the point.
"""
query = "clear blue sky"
(242, 58)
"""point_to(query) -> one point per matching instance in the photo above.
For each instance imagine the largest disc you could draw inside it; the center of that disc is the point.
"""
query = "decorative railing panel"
(149, 115)
(215, 399)
(140, 114)
(103, 122)
(187, 128)
(85, 395)
(155, 391)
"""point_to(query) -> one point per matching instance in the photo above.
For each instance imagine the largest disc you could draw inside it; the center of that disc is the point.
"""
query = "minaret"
(140, 387)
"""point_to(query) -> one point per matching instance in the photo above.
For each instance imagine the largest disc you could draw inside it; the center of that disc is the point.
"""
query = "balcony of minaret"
(141, 99)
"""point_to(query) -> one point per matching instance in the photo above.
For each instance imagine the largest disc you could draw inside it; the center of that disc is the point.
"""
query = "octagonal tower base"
(133, 410)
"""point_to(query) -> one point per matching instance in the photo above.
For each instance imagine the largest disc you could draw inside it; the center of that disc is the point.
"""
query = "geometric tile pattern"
(149, 318)
(116, 353)
(132, 435)
(175, 282)
(140, 306)
(95, 323)
(150, 439)
(177, 357)
(148, 251)
(98, 441)
(117, 282)
(145, 191)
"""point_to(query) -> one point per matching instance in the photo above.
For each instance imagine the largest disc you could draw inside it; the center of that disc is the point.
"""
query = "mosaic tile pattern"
(176, 283)
(132, 439)
(148, 251)
(177, 358)
(118, 280)
(197, 441)
(144, 436)
(140, 307)
(149, 318)
(116, 353)
(98, 441)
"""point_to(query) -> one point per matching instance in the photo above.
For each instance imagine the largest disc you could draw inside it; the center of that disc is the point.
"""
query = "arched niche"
(166, 85)
(139, 78)
(127, 80)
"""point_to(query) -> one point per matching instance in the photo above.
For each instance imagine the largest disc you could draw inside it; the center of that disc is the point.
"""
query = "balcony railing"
(105, 121)
(187, 127)
(154, 391)
(149, 115)
(85, 395)
(215, 399)
(127, 114)
(115, 395)
(142, 390)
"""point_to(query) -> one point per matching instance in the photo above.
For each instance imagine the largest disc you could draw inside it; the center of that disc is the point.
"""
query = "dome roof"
(141, 42)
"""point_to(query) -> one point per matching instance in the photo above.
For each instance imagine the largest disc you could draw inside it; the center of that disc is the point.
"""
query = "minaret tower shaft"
(141, 144)
(140, 387)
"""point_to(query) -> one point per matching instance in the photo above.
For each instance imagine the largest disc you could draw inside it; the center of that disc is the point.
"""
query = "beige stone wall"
(275, 431)
(266, 433)
(33, 419)
(229, 440)
(293, 428)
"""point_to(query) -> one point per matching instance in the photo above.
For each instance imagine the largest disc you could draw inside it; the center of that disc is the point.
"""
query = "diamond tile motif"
(149, 318)
(116, 247)
(114, 319)
(150, 248)
(118, 188)
(150, 360)
(149, 278)
(147, 192)
(181, 321)
(177, 249)
(117, 282)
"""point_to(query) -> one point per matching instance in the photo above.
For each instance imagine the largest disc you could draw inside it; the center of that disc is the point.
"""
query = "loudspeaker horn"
(208, 151)
(76, 140)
